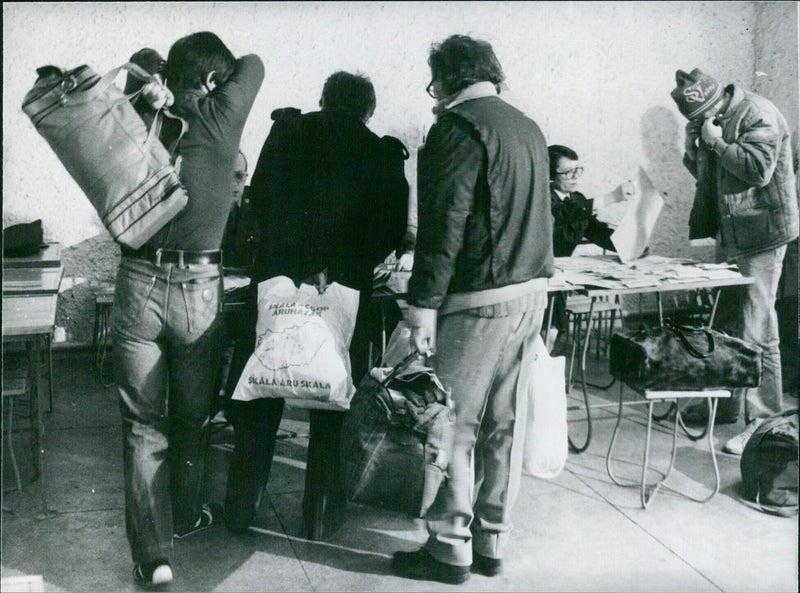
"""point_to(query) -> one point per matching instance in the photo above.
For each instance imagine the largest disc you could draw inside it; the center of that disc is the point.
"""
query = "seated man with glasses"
(235, 254)
(573, 220)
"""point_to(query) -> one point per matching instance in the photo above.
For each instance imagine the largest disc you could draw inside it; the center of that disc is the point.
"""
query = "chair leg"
(11, 453)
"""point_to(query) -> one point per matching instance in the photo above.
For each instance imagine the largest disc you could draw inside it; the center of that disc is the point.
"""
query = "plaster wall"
(595, 75)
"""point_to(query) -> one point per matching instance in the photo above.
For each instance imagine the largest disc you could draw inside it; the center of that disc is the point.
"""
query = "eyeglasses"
(573, 173)
(240, 175)
(429, 90)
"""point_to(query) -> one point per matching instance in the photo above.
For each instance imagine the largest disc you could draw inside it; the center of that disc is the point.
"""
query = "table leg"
(584, 348)
(37, 408)
(48, 343)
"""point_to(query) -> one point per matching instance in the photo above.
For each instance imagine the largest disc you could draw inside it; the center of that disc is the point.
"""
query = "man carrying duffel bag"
(165, 323)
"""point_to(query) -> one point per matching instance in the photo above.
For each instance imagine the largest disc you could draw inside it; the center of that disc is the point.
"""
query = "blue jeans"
(166, 336)
(759, 322)
(479, 360)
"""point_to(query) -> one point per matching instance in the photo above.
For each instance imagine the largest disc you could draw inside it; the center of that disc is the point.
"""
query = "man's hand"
(692, 134)
(405, 262)
(711, 131)
(423, 339)
(157, 95)
(423, 329)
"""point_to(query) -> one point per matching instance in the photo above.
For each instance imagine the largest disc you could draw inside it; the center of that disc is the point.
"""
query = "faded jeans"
(166, 336)
(759, 322)
(480, 360)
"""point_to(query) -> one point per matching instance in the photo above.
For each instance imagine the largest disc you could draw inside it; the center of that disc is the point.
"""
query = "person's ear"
(369, 115)
(210, 83)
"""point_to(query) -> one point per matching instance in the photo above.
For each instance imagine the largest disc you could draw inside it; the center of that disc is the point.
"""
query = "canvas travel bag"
(123, 169)
(680, 357)
(769, 465)
(397, 436)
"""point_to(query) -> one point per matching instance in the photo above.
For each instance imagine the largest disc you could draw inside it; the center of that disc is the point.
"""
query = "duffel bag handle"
(382, 398)
(145, 76)
(680, 330)
(401, 366)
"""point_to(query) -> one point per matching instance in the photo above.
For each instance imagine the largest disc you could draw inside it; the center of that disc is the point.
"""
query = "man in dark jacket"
(478, 290)
(332, 198)
(573, 221)
(738, 147)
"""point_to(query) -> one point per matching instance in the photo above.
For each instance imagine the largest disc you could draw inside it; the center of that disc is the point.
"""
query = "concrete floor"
(578, 532)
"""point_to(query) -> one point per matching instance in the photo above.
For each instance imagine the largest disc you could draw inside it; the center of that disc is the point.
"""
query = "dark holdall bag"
(769, 465)
(679, 357)
(395, 440)
(23, 239)
(97, 135)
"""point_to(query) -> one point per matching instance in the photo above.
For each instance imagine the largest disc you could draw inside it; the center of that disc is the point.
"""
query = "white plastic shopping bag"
(302, 343)
(546, 446)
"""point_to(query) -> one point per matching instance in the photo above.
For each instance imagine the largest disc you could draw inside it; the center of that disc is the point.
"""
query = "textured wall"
(596, 76)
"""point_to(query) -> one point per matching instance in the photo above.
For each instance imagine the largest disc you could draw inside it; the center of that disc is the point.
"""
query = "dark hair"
(351, 93)
(556, 152)
(192, 58)
(460, 61)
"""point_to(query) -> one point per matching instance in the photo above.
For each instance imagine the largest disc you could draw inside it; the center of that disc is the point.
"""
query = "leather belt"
(177, 257)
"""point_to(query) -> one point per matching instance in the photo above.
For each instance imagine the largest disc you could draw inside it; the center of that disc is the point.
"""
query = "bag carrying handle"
(690, 348)
(401, 366)
(143, 75)
(386, 404)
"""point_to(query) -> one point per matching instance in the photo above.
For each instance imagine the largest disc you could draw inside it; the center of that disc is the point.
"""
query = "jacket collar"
(478, 90)
(736, 99)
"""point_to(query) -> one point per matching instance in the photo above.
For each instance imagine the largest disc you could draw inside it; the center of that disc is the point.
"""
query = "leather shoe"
(420, 565)
(698, 414)
(489, 567)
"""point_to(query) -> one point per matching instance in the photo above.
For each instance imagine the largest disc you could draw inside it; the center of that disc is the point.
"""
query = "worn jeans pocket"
(131, 294)
(201, 298)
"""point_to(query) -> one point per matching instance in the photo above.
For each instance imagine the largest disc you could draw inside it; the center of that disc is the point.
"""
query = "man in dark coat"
(332, 199)
(573, 221)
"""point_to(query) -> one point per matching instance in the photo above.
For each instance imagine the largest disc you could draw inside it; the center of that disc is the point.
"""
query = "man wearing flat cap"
(738, 147)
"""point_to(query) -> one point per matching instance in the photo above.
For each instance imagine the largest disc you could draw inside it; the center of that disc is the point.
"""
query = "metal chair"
(649, 491)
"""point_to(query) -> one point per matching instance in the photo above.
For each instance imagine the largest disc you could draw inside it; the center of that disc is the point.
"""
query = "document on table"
(633, 233)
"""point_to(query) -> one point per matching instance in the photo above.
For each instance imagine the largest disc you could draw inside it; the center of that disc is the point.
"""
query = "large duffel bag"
(677, 357)
(97, 135)
(396, 438)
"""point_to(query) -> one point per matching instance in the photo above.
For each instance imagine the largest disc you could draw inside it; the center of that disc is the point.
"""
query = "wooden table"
(30, 320)
(659, 286)
(32, 281)
(47, 257)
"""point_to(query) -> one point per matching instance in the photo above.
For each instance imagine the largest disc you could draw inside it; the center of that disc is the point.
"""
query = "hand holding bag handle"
(383, 394)
(145, 76)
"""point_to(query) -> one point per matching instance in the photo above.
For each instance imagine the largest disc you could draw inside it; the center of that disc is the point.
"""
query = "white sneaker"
(735, 445)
